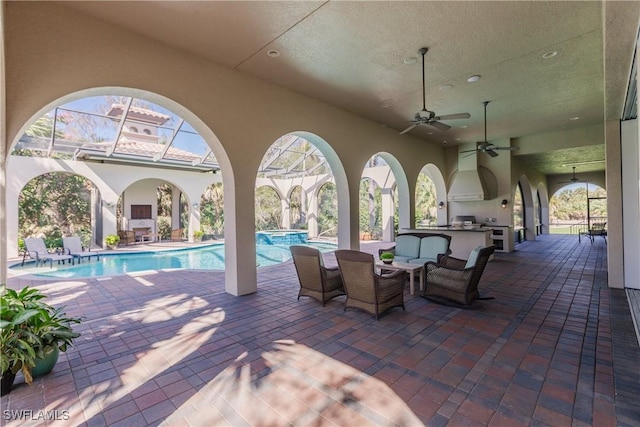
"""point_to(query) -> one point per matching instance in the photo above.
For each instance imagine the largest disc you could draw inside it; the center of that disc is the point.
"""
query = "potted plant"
(387, 257)
(197, 235)
(112, 241)
(32, 333)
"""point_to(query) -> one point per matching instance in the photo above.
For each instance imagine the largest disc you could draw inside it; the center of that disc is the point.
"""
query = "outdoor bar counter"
(463, 240)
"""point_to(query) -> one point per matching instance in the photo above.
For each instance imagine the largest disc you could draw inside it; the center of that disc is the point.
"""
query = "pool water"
(209, 257)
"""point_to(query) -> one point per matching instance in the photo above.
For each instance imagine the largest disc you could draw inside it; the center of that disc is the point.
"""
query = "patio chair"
(456, 279)
(316, 280)
(73, 246)
(176, 234)
(127, 237)
(367, 290)
(37, 250)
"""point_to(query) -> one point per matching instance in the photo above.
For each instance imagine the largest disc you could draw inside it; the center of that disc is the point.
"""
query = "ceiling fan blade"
(409, 128)
(453, 116)
(469, 151)
(439, 125)
(491, 152)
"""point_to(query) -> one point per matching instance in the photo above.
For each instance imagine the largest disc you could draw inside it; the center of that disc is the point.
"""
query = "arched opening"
(212, 212)
(519, 221)
(427, 204)
(58, 204)
(575, 207)
(328, 211)
(268, 209)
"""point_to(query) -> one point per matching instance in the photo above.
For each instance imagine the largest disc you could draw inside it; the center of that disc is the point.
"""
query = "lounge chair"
(366, 289)
(316, 280)
(73, 246)
(457, 279)
(37, 250)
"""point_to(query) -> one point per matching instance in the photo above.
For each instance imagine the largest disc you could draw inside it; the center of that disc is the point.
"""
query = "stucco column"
(286, 213)
(312, 216)
(387, 214)
(175, 208)
(239, 233)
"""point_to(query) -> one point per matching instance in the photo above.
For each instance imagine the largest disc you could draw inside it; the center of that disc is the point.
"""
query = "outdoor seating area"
(527, 357)
(37, 250)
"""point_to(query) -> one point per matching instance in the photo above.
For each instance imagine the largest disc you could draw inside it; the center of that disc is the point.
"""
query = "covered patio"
(555, 347)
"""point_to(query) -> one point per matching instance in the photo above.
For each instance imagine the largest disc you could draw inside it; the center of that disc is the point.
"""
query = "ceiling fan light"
(424, 114)
(474, 78)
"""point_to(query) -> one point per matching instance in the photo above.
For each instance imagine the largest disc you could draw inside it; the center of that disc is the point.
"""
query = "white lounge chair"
(37, 250)
(73, 246)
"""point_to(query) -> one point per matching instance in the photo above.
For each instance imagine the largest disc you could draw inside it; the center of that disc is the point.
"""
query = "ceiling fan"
(573, 179)
(484, 146)
(426, 117)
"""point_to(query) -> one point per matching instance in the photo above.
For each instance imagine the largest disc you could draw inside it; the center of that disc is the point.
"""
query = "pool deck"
(556, 347)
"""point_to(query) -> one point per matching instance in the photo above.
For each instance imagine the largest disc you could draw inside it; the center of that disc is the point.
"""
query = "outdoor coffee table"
(409, 268)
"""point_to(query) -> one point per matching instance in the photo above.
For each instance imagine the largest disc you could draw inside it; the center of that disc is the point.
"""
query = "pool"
(210, 257)
(281, 237)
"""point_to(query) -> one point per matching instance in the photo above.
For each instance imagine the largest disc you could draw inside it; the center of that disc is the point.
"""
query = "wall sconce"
(110, 205)
(441, 205)
(195, 205)
(504, 203)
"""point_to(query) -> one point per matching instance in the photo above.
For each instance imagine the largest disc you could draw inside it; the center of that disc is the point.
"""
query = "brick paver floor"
(555, 347)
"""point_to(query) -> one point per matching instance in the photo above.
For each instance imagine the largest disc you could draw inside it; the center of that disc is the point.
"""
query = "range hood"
(467, 184)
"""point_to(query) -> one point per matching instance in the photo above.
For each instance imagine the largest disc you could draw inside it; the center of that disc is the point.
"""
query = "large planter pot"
(6, 383)
(46, 364)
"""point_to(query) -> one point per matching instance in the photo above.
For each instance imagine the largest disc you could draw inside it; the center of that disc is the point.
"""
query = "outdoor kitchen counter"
(463, 240)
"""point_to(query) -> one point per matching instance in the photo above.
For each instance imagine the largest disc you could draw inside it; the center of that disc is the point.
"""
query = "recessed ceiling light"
(574, 118)
(474, 78)
(410, 60)
(445, 87)
(429, 133)
(464, 126)
(457, 139)
(273, 53)
(550, 54)
(385, 105)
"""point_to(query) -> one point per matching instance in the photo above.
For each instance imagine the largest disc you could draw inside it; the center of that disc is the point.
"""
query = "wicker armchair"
(316, 280)
(176, 234)
(456, 279)
(366, 289)
(127, 237)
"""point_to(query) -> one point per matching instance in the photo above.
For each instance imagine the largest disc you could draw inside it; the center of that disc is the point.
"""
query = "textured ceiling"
(352, 55)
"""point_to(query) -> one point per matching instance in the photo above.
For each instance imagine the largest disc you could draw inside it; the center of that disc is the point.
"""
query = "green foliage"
(198, 234)
(164, 227)
(328, 210)
(55, 204)
(30, 329)
(570, 204)
(268, 209)
(112, 240)
(426, 205)
(212, 210)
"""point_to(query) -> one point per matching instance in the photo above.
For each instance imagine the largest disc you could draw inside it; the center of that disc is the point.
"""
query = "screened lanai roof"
(121, 130)
(117, 130)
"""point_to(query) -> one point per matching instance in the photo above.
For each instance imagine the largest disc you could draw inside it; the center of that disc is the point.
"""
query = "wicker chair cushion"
(473, 257)
(430, 248)
(408, 247)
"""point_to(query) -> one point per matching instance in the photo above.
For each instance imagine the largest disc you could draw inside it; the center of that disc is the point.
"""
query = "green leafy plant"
(387, 256)
(112, 240)
(197, 235)
(30, 329)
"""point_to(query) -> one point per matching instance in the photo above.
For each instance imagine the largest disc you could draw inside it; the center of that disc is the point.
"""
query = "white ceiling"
(351, 55)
